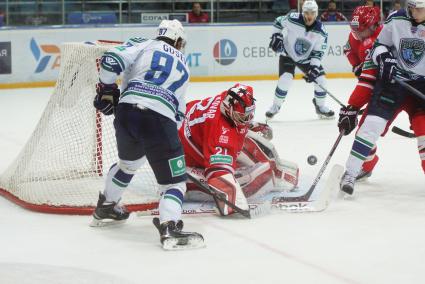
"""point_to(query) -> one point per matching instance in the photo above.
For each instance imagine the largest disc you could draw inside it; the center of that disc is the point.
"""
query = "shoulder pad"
(400, 14)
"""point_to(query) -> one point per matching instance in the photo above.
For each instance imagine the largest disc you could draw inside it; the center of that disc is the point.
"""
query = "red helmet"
(364, 18)
(239, 104)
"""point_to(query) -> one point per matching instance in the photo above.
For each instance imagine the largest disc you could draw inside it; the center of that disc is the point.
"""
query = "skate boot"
(323, 111)
(108, 213)
(173, 238)
(272, 111)
(347, 183)
(363, 175)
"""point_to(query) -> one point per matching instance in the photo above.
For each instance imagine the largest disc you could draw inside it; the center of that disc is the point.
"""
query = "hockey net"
(62, 167)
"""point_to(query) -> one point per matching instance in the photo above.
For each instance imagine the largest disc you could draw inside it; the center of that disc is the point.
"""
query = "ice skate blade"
(105, 222)
(193, 242)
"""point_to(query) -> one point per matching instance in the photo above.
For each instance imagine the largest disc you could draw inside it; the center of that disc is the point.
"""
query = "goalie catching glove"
(107, 97)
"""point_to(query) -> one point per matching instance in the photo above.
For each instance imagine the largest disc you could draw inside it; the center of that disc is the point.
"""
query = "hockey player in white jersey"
(301, 41)
(399, 51)
(147, 111)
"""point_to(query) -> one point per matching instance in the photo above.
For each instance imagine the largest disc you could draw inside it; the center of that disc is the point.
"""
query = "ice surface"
(376, 238)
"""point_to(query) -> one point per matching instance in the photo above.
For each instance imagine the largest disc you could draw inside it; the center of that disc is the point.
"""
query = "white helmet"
(172, 30)
(416, 3)
(310, 6)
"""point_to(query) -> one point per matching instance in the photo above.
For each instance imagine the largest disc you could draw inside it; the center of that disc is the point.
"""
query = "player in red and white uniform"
(219, 150)
(365, 28)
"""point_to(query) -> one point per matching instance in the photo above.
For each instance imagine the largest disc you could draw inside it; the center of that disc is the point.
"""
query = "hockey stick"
(413, 90)
(307, 195)
(402, 132)
(217, 195)
(259, 208)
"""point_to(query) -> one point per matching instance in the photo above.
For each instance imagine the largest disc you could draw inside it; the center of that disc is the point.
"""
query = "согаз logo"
(225, 52)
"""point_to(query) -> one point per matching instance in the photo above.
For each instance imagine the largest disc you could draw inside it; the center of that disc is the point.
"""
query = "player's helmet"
(239, 104)
(310, 6)
(416, 3)
(411, 4)
(364, 21)
(172, 30)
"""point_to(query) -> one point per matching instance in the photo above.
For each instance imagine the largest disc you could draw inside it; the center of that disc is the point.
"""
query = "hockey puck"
(312, 160)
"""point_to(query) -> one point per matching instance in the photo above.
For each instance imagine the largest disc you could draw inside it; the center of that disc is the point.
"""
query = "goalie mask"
(364, 22)
(238, 105)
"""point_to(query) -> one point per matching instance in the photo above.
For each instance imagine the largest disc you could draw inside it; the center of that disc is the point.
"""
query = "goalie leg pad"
(229, 188)
(256, 180)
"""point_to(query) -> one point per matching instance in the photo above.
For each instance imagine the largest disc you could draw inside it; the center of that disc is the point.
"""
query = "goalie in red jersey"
(222, 151)
(365, 28)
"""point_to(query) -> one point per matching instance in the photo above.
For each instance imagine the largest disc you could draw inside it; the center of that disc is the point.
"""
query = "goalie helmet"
(172, 30)
(238, 105)
(364, 21)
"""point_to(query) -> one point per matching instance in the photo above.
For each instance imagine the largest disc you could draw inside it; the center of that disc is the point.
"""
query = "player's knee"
(285, 78)
(321, 80)
(372, 126)
(130, 167)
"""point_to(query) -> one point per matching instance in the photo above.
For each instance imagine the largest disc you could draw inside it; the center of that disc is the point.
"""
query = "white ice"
(376, 238)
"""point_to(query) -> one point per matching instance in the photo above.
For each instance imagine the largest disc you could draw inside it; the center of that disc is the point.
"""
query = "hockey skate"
(323, 112)
(108, 213)
(173, 238)
(274, 109)
(363, 175)
(347, 183)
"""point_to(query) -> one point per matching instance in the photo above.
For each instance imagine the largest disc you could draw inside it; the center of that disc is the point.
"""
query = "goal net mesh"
(63, 165)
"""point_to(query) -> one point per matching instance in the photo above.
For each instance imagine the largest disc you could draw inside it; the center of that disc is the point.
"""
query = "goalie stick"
(276, 204)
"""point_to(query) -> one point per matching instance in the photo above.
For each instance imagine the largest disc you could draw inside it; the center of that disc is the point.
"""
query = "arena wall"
(31, 57)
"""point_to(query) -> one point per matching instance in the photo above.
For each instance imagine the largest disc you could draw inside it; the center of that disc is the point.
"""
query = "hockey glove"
(348, 119)
(107, 97)
(387, 66)
(276, 43)
(312, 74)
(357, 70)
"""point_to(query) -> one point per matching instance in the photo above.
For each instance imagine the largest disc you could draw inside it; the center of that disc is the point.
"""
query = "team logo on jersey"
(43, 53)
(301, 46)
(412, 51)
(225, 52)
(177, 166)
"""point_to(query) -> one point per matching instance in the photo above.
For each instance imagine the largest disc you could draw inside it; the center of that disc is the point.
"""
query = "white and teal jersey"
(305, 45)
(155, 75)
(405, 41)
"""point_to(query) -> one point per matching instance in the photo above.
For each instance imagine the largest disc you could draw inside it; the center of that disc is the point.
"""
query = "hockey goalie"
(229, 153)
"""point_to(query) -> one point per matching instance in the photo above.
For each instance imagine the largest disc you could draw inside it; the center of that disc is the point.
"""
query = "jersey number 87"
(165, 70)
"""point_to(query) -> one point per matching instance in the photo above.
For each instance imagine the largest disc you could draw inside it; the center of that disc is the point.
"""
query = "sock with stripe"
(365, 140)
(170, 205)
(116, 182)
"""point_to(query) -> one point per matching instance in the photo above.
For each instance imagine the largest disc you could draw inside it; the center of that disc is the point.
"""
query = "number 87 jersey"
(155, 75)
